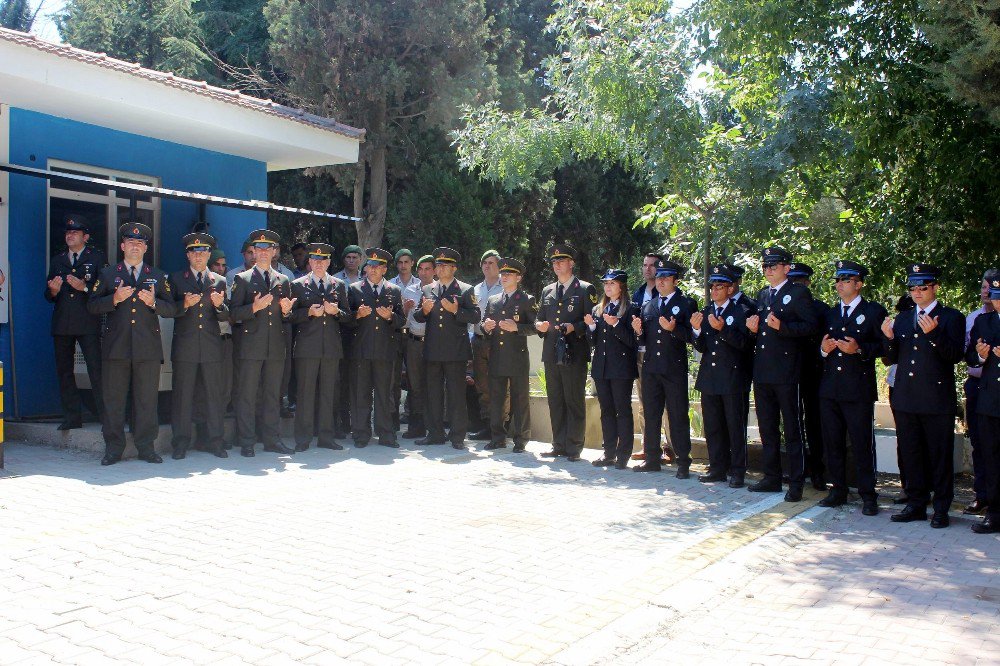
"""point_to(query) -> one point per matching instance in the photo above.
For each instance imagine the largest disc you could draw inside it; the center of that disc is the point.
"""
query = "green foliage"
(18, 14)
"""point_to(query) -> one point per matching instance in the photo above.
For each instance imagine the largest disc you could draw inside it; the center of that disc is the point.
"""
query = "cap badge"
(916, 268)
(840, 264)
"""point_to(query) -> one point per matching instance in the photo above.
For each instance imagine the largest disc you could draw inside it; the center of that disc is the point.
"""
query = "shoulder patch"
(97, 283)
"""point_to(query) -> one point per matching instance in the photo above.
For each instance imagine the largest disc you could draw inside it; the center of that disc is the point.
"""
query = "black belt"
(418, 338)
(225, 336)
(480, 335)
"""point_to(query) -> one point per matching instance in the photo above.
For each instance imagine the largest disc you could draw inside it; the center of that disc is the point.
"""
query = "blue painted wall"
(31, 387)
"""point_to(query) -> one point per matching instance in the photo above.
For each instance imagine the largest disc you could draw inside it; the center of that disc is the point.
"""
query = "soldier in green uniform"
(508, 320)
(133, 295)
(196, 352)
(447, 306)
(320, 308)
(564, 303)
(261, 301)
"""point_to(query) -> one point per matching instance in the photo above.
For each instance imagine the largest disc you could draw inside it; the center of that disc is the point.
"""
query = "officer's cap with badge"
(849, 269)
(922, 274)
(723, 273)
(135, 231)
(559, 251)
(446, 255)
(510, 265)
(376, 256)
(667, 268)
(264, 238)
(736, 270)
(774, 255)
(77, 222)
(798, 270)
(991, 274)
(322, 251)
(615, 274)
(198, 242)
(995, 288)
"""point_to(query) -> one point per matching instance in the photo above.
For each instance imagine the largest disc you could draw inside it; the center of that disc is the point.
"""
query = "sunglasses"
(920, 288)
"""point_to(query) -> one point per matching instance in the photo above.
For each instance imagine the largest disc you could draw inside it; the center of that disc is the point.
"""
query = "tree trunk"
(708, 256)
(359, 192)
(371, 228)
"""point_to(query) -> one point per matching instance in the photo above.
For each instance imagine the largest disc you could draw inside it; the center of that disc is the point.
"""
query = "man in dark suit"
(321, 306)
(812, 370)
(984, 352)
(71, 276)
(564, 303)
(925, 343)
(851, 343)
(447, 306)
(196, 352)
(721, 335)
(261, 301)
(377, 305)
(664, 327)
(785, 317)
(740, 298)
(133, 295)
(508, 320)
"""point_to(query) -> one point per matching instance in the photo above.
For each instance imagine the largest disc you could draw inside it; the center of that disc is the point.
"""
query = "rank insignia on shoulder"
(97, 283)
(593, 297)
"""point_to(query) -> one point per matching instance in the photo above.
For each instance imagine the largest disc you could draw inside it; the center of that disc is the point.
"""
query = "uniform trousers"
(481, 374)
(144, 378)
(642, 410)
(288, 370)
(617, 427)
(207, 377)
(316, 395)
(777, 407)
(69, 394)
(372, 378)
(565, 386)
(812, 430)
(659, 392)
(991, 455)
(198, 412)
(397, 380)
(972, 421)
(416, 377)
(725, 433)
(854, 419)
(446, 382)
(259, 419)
(927, 447)
(516, 389)
(348, 370)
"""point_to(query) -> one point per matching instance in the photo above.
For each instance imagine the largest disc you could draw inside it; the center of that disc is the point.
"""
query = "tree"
(18, 14)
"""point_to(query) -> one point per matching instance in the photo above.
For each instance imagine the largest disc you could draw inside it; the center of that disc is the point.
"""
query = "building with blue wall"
(67, 110)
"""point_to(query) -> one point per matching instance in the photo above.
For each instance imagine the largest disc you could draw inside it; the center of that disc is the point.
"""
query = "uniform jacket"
(725, 367)
(925, 372)
(71, 316)
(778, 354)
(987, 327)
(851, 377)
(576, 302)
(132, 328)
(812, 361)
(377, 339)
(261, 336)
(509, 350)
(748, 303)
(319, 337)
(196, 329)
(446, 337)
(666, 351)
(614, 346)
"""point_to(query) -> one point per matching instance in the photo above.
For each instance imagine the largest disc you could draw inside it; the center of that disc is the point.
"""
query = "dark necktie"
(131, 271)
(504, 302)
(267, 281)
(847, 308)
(76, 255)
(773, 293)
(375, 289)
(612, 309)
(201, 285)
(919, 315)
(718, 311)
(559, 292)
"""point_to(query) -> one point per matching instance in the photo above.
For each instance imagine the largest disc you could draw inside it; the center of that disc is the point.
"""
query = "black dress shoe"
(793, 495)
(110, 460)
(988, 526)
(247, 451)
(299, 448)
(712, 477)
(458, 445)
(764, 486)
(220, 453)
(736, 482)
(683, 473)
(646, 467)
(519, 448)
(330, 445)
(552, 454)
(481, 435)
(818, 483)
(429, 441)
(977, 508)
(227, 447)
(414, 434)
(621, 465)
(573, 458)
(833, 499)
(178, 454)
(603, 462)
(278, 447)
(869, 507)
(360, 444)
(150, 457)
(940, 519)
(388, 443)
(908, 515)
(901, 499)
(70, 425)
(493, 446)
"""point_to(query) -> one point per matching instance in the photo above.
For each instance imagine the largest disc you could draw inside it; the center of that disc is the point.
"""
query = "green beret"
(424, 258)
(216, 255)
(488, 254)
(402, 252)
(351, 248)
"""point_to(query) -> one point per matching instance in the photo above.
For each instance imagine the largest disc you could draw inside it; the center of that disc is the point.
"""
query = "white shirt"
(483, 293)
(593, 327)
(715, 308)
(647, 295)
(284, 270)
(413, 292)
(138, 269)
(850, 306)
(348, 279)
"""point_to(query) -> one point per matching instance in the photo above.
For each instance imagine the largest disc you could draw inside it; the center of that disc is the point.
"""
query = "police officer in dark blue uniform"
(614, 367)
(71, 276)
(786, 315)
(925, 343)
(721, 335)
(984, 352)
(851, 343)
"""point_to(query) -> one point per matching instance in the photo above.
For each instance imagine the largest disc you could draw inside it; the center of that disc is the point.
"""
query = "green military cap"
(426, 257)
(216, 255)
(488, 254)
(351, 248)
(198, 242)
(402, 252)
